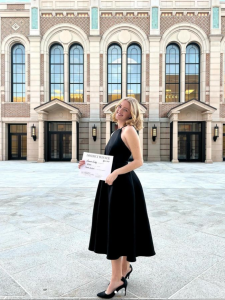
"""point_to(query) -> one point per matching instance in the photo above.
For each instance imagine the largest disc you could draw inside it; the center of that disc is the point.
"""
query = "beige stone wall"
(48, 22)
(145, 141)
(165, 141)
(153, 62)
(84, 108)
(165, 107)
(142, 22)
(15, 6)
(103, 137)
(7, 23)
(83, 138)
(222, 111)
(15, 109)
(202, 21)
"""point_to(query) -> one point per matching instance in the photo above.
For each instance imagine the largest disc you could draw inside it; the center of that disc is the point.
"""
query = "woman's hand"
(81, 163)
(111, 177)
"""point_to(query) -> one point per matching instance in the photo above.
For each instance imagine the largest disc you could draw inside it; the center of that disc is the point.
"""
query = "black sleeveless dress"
(120, 224)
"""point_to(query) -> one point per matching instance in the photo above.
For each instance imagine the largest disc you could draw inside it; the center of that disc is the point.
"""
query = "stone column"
(1, 146)
(124, 75)
(153, 146)
(208, 118)
(141, 136)
(95, 117)
(154, 46)
(182, 78)
(74, 137)
(66, 77)
(214, 83)
(5, 141)
(107, 127)
(175, 139)
(35, 92)
(42, 116)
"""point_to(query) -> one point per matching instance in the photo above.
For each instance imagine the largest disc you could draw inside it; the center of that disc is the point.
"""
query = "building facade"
(66, 64)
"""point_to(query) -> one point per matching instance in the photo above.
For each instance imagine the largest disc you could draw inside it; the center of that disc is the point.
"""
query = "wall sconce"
(154, 132)
(33, 132)
(216, 133)
(94, 132)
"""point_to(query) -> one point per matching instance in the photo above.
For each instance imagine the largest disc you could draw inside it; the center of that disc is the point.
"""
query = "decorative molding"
(15, 26)
(154, 17)
(94, 18)
(215, 17)
(34, 18)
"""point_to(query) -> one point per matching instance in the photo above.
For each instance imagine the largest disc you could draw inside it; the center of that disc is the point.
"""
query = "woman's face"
(123, 112)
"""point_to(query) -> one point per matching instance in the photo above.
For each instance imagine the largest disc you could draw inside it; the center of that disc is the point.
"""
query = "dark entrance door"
(190, 141)
(59, 141)
(17, 141)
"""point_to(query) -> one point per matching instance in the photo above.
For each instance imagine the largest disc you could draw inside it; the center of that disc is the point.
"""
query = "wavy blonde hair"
(135, 113)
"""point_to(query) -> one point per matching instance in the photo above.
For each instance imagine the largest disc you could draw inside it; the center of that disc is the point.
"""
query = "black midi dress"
(120, 224)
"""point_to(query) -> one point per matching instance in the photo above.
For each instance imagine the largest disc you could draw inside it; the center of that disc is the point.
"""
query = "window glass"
(18, 73)
(76, 76)
(134, 71)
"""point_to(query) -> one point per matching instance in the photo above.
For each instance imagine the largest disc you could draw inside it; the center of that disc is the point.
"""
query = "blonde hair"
(135, 113)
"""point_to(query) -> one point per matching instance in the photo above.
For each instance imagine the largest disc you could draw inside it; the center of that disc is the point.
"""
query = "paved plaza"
(45, 223)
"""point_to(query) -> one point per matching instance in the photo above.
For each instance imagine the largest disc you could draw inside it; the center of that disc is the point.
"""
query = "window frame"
(71, 46)
(50, 83)
(173, 44)
(134, 44)
(199, 71)
(12, 73)
(107, 61)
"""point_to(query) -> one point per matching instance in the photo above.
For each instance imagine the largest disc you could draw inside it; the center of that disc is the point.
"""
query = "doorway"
(191, 141)
(17, 141)
(59, 141)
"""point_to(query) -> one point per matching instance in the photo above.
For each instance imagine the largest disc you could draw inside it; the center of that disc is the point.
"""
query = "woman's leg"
(116, 275)
(125, 266)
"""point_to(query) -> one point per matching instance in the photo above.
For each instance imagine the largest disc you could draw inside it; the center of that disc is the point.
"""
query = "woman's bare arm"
(133, 142)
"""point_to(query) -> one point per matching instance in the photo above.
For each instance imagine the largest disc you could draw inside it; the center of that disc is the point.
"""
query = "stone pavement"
(45, 223)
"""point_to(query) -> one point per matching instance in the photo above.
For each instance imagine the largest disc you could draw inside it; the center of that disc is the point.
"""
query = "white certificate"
(96, 165)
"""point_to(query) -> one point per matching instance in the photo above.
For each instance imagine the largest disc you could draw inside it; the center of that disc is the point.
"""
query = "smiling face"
(123, 111)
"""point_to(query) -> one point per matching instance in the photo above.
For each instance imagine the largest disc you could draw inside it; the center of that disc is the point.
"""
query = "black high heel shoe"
(128, 274)
(104, 295)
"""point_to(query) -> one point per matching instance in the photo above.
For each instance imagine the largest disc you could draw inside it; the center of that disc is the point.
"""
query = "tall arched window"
(76, 71)
(192, 72)
(114, 73)
(134, 71)
(172, 73)
(56, 72)
(18, 73)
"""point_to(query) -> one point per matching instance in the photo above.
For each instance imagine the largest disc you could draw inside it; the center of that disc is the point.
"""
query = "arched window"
(114, 73)
(76, 71)
(172, 73)
(56, 72)
(134, 71)
(192, 72)
(18, 73)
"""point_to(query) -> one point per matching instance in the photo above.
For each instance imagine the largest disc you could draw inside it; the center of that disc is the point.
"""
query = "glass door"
(59, 141)
(182, 146)
(189, 147)
(17, 141)
(194, 146)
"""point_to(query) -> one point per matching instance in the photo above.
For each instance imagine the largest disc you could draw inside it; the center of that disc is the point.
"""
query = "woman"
(120, 224)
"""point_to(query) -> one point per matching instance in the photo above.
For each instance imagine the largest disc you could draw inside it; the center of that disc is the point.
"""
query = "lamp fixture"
(33, 132)
(216, 133)
(154, 133)
(94, 132)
